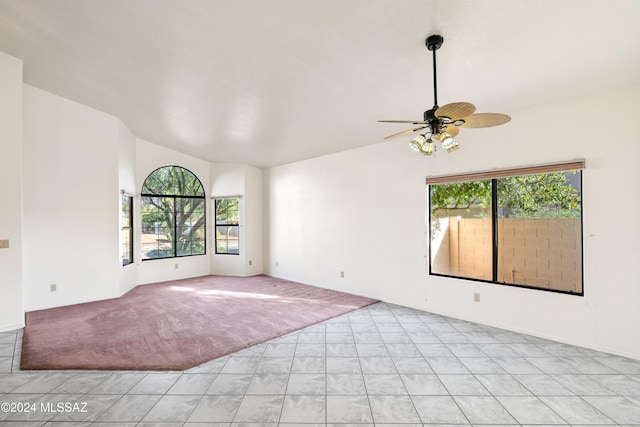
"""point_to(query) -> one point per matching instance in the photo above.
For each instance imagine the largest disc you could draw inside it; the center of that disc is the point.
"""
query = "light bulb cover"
(415, 146)
(417, 143)
(420, 139)
(428, 148)
(453, 146)
(445, 139)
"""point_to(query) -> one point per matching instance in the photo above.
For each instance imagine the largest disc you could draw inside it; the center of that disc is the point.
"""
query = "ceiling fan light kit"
(443, 123)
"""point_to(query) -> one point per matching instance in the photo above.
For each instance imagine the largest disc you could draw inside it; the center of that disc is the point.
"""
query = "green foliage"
(156, 209)
(527, 196)
(227, 211)
(172, 181)
(460, 195)
(535, 196)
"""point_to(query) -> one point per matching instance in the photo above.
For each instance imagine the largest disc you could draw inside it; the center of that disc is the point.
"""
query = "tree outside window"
(173, 214)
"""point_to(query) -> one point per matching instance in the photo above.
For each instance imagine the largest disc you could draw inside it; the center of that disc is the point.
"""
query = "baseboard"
(127, 290)
(603, 349)
(537, 334)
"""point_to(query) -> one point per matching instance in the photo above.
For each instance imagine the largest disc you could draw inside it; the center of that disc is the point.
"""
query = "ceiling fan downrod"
(433, 43)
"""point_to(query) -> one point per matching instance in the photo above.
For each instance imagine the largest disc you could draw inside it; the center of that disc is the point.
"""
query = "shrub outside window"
(228, 225)
(173, 214)
(521, 230)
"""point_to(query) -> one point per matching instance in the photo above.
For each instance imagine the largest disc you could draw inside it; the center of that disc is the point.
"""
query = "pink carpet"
(176, 325)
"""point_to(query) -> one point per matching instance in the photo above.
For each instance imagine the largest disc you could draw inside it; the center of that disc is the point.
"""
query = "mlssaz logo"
(64, 407)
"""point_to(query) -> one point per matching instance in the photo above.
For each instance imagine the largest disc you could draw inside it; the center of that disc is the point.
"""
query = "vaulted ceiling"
(267, 82)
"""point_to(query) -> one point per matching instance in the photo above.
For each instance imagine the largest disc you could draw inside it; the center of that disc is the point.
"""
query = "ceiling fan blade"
(405, 132)
(456, 110)
(485, 120)
(451, 130)
(415, 122)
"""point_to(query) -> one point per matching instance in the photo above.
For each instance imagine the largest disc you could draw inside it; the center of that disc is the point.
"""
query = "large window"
(227, 225)
(518, 227)
(126, 232)
(173, 214)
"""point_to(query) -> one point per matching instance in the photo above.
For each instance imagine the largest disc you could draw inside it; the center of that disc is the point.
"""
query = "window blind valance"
(503, 173)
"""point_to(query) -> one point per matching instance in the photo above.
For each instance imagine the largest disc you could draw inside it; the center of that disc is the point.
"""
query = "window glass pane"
(190, 218)
(126, 234)
(461, 233)
(157, 227)
(227, 241)
(173, 180)
(191, 247)
(227, 211)
(126, 211)
(126, 247)
(227, 226)
(539, 231)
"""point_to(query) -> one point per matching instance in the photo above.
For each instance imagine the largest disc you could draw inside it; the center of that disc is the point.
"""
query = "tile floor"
(383, 364)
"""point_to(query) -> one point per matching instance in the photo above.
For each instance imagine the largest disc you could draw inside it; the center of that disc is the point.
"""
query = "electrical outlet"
(342, 274)
(175, 266)
(53, 287)
(276, 263)
(250, 262)
(476, 297)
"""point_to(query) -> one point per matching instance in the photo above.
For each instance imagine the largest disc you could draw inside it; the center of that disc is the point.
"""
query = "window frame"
(494, 176)
(128, 197)
(175, 199)
(236, 224)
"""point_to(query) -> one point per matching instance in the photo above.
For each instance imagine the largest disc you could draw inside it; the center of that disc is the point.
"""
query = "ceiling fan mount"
(444, 123)
(434, 42)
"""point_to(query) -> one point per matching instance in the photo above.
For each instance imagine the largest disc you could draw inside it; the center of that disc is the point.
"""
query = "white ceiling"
(272, 82)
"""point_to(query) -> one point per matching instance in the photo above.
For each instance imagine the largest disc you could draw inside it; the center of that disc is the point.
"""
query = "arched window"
(173, 214)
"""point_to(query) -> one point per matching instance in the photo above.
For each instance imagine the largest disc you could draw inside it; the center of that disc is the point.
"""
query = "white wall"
(361, 212)
(150, 157)
(364, 212)
(11, 306)
(253, 227)
(229, 179)
(127, 183)
(71, 202)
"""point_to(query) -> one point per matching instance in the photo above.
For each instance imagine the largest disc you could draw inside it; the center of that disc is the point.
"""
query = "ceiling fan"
(444, 123)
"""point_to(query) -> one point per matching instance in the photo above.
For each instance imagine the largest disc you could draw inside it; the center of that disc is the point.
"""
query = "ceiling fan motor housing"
(435, 124)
